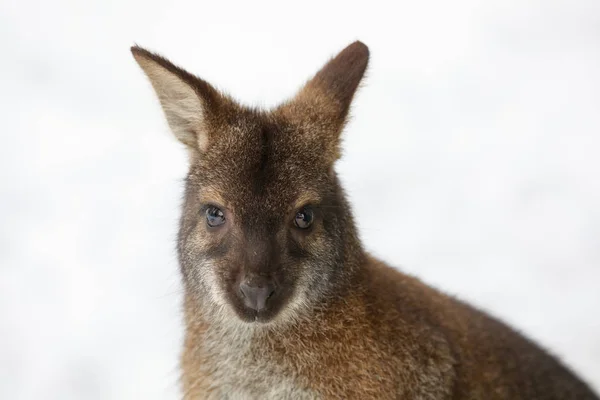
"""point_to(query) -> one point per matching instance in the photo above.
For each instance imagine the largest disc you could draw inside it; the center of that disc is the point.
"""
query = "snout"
(260, 298)
(256, 292)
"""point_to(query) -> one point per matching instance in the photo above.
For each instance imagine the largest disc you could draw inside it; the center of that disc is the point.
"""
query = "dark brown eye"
(214, 216)
(304, 218)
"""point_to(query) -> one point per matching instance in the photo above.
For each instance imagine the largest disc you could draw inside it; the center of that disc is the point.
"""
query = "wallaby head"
(266, 232)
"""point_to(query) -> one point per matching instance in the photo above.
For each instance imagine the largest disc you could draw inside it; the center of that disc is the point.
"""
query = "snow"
(471, 161)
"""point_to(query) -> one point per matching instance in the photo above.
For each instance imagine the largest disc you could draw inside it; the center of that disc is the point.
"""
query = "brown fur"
(341, 324)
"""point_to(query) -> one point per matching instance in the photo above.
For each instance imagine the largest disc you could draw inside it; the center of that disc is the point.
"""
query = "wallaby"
(281, 299)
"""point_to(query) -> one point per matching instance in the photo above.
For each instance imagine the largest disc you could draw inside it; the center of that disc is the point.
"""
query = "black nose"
(256, 294)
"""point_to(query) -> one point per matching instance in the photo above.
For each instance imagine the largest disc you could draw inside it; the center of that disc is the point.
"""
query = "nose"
(256, 293)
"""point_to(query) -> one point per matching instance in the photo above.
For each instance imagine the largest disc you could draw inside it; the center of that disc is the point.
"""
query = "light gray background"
(472, 161)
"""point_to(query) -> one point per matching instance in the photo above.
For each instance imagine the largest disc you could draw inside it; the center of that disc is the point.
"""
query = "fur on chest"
(247, 363)
(240, 364)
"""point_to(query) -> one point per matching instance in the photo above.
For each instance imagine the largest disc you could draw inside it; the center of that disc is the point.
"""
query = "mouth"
(252, 316)
(263, 315)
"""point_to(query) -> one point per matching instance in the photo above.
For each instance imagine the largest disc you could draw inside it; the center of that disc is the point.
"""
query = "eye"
(214, 216)
(304, 218)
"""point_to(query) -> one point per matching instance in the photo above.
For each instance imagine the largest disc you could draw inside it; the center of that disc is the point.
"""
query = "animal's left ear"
(325, 100)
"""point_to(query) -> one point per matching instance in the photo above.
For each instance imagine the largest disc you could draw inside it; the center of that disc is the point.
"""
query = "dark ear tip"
(360, 48)
(356, 54)
(138, 51)
(141, 53)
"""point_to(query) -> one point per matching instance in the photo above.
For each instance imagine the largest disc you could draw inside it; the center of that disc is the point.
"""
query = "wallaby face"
(264, 222)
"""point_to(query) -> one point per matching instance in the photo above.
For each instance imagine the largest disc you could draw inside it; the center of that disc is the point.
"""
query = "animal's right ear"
(186, 99)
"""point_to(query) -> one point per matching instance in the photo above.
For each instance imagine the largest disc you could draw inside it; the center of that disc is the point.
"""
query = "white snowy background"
(472, 161)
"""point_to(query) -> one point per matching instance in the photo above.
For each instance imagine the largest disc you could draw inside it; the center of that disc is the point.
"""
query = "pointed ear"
(322, 105)
(185, 99)
(339, 78)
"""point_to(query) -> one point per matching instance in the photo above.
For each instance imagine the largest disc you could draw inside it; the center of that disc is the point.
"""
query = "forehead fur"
(262, 155)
